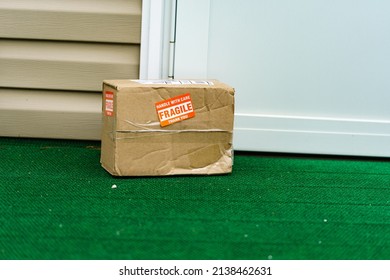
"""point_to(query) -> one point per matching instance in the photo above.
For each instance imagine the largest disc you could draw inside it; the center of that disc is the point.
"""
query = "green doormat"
(57, 202)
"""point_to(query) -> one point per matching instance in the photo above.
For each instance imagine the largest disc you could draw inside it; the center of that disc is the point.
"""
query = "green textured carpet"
(56, 202)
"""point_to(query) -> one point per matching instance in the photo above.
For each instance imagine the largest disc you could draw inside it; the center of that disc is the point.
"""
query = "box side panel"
(107, 158)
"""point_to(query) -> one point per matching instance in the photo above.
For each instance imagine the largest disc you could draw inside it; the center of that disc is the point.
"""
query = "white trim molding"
(309, 135)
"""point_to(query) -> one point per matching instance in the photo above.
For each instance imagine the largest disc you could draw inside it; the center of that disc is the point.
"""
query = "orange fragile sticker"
(108, 103)
(174, 110)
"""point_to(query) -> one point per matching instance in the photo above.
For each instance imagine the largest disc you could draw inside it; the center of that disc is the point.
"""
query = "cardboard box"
(167, 127)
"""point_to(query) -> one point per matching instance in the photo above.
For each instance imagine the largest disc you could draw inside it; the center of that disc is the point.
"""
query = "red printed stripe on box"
(108, 103)
(174, 110)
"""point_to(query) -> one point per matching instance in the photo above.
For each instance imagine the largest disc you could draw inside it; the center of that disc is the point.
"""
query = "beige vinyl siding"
(54, 114)
(54, 56)
(65, 65)
(73, 20)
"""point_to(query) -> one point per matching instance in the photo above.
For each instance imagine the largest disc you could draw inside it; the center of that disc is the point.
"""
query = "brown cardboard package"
(167, 127)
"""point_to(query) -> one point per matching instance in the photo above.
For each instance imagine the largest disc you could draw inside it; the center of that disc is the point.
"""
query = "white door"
(311, 76)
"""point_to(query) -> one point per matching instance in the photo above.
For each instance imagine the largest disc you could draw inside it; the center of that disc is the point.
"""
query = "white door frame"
(157, 39)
